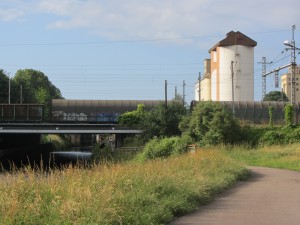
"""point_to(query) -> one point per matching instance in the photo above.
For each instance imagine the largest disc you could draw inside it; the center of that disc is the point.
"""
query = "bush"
(292, 135)
(165, 147)
(280, 136)
(289, 115)
(181, 145)
(133, 118)
(102, 154)
(211, 124)
(164, 122)
(59, 142)
(251, 135)
(273, 137)
(271, 116)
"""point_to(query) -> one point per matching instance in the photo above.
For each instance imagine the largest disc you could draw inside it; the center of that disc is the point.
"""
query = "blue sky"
(113, 49)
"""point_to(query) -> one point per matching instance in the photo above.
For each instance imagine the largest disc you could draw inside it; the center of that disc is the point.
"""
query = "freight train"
(108, 111)
(67, 111)
(95, 111)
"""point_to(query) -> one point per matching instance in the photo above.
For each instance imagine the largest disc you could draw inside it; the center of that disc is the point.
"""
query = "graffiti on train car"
(81, 117)
(75, 117)
(63, 116)
(104, 117)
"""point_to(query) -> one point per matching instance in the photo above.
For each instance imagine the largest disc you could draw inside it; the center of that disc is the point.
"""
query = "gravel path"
(269, 197)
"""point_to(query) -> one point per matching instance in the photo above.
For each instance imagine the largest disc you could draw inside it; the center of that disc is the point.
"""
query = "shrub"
(273, 137)
(280, 136)
(181, 145)
(59, 142)
(251, 135)
(292, 135)
(158, 148)
(99, 154)
(164, 121)
(211, 124)
(133, 118)
(289, 115)
(165, 147)
(271, 119)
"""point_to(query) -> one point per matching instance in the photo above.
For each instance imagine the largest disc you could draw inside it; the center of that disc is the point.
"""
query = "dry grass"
(149, 193)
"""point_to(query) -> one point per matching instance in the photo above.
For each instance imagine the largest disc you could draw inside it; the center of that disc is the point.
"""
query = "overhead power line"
(128, 41)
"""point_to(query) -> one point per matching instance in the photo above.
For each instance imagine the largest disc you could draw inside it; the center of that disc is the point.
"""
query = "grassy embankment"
(276, 156)
(152, 192)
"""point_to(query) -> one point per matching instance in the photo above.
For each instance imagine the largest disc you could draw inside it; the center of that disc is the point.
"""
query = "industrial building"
(286, 86)
(229, 73)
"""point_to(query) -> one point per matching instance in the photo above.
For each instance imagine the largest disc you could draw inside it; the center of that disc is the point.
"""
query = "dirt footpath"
(269, 197)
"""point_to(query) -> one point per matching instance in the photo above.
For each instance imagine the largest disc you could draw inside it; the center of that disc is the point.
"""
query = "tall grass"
(149, 193)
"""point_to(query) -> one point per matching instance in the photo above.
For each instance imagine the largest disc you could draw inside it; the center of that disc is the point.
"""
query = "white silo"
(233, 55)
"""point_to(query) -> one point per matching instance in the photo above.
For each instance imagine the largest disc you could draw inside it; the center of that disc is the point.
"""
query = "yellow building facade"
(286, 85)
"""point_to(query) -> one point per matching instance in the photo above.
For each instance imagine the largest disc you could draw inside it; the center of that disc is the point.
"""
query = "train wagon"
(95, 111)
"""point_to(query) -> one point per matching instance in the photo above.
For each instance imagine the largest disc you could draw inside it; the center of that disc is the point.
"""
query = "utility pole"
(8, 89)
(21, 94)
(166, 93)
(263, 75)
(183, 95)
(175, 92)
(293, 65)
(232, 87)
(199, 84)
(292, 45)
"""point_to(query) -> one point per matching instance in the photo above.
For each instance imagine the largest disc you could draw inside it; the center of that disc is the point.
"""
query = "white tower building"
(231, 74)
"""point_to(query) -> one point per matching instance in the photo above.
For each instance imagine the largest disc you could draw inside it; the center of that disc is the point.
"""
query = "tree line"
(28, 86)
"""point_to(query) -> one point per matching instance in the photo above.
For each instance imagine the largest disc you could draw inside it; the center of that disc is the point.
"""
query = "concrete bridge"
(14, 135)
(59, 128)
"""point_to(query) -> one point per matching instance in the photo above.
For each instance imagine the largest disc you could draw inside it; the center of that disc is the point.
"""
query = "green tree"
(36, 88)
(3, 87)
(42, 95)
(211, 124)
(276, 96)
(164, 121)
(133, 118)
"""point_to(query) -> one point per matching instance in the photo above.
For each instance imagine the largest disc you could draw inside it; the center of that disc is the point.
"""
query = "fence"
(258, 112)
(21, 113)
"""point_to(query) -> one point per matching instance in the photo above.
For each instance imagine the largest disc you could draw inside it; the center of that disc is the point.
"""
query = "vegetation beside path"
(275, 156)
(152, 192)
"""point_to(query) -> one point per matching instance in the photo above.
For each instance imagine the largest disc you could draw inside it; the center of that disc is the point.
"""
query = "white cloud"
(149, 19)
(10, 14)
